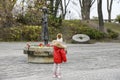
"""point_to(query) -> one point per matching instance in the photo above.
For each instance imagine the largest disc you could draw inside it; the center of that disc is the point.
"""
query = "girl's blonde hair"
(59, 35)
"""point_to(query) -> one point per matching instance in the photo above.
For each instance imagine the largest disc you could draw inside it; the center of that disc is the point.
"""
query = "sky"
(75, 10)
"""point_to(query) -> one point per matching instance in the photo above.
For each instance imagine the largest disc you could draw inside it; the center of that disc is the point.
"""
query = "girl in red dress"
(59, 56)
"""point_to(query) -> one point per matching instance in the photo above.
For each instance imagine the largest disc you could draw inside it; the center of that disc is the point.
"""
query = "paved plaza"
(98, 61)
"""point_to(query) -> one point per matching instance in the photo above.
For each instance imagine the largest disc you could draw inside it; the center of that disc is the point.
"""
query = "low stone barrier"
(38, 54)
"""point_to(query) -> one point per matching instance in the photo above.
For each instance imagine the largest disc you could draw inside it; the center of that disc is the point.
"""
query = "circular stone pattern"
(81, 38)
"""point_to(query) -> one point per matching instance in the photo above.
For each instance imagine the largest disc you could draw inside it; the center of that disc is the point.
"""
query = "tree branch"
(108, 5)
(80, 1)
(111, 4)
(68, 3)
(92, 2)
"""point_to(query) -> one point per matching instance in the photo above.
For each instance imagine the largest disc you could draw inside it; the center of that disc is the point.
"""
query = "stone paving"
(99, 61)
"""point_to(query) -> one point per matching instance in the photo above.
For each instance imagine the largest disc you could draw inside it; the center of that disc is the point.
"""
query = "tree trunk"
(109, 9)
(57, 3)
(109, 16)
(85, 14)
(51, 7)
(100, 16)
(85, 8)
(64, 7)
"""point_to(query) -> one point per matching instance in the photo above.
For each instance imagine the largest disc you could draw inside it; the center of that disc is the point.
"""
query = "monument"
(41, 53)
(45, 25)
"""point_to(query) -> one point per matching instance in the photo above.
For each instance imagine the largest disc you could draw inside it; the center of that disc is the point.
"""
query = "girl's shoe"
(59, 76)
(54, 76)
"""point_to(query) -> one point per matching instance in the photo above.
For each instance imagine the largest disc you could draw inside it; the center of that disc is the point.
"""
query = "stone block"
(39, 55)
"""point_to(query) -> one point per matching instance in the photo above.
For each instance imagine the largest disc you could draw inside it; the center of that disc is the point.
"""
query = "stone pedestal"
(39, 54)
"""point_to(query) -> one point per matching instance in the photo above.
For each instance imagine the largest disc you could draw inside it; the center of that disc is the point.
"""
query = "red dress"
(59, 55)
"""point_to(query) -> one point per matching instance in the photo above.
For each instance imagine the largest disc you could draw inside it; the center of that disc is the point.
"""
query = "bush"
(53, 32)
(73, 27)
(55, 22)
(5, 36)
(30, 18)
(112, 34)
(92, 33)
(118, 18)
(31, 33)
(69, 28)
(25, 33)
(15, 34)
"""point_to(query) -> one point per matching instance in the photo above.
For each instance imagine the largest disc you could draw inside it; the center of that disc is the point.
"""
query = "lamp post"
(45, 34)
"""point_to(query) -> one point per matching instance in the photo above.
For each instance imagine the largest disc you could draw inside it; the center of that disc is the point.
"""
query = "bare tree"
(59, 6)
(85, 8)
(65, 5)
(5, 12)
(100, 15)
(109, 9)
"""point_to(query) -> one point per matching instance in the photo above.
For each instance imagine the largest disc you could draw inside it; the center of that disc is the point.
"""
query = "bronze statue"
(45, 36)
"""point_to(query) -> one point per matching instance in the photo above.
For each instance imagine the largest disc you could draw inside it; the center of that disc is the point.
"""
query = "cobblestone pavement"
(99, 61)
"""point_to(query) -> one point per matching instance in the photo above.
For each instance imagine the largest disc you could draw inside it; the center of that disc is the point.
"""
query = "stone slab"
(39, 54)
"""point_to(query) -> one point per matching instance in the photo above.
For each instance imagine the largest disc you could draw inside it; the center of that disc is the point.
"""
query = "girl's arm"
(63, 54)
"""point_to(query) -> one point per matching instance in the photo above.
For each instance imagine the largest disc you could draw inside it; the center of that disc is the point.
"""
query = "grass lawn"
(113, 26)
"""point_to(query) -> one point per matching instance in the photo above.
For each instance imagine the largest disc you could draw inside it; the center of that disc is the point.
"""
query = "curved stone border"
(81, 37)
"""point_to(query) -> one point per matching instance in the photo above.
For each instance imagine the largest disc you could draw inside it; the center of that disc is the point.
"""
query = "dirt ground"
(98, 61)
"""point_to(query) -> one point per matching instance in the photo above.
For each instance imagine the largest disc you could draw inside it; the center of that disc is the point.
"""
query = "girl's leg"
(59, 70)
(54, 70)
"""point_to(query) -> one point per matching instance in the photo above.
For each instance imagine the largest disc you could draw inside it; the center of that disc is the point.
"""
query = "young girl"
(59, 37)
(59, 56)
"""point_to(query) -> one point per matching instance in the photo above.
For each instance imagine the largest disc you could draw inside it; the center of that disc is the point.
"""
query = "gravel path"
(99, 61)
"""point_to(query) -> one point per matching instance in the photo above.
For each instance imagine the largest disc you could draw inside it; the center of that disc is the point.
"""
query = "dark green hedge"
(33, 33)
